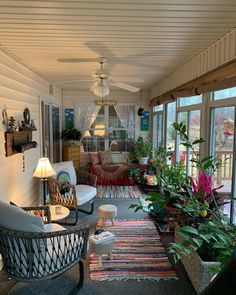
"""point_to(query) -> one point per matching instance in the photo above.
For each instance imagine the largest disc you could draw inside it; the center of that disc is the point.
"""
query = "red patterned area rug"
(138, 254)
(118, 191)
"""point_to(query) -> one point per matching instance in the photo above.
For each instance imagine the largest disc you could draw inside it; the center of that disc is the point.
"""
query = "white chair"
(32, 250)
(72, 188)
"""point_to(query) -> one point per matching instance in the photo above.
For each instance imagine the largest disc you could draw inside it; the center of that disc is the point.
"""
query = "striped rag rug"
(137, 254)
(117, 191)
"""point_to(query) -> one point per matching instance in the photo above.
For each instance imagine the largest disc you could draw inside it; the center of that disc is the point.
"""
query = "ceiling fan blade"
(128, 79)
(124, 86)
(71, 60)
(72, 81)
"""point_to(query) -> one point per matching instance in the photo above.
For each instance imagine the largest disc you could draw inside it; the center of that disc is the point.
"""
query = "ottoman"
(102, 244)
(107, 211)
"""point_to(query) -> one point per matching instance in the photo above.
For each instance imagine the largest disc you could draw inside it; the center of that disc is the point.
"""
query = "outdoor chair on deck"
(72, 188)
(33, 251)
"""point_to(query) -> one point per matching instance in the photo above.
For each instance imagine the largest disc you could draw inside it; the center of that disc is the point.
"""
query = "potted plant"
(210, 235)
(141, 150)
(72, 136)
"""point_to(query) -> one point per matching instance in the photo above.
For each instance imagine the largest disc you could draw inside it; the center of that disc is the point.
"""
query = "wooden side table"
(58, 212)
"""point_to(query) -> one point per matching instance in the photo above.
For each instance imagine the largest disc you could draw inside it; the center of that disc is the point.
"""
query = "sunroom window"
(112, 127)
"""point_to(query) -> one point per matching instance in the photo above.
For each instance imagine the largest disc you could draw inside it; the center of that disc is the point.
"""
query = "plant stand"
(199, 271)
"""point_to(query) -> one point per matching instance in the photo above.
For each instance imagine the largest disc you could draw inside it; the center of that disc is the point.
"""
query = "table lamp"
(43, 171)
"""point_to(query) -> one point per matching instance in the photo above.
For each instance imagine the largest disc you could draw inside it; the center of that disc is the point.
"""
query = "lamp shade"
(101, 89)
(99, 130)
(44, 169)
(87, 134)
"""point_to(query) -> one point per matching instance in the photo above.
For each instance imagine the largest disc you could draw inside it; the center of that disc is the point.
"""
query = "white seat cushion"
(51, 227)
(85, 193)
(68, 169)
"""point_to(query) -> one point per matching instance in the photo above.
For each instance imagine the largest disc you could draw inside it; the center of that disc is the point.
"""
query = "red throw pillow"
(94, 157)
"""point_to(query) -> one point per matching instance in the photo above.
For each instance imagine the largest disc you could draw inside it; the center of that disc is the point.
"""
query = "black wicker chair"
(33, 256)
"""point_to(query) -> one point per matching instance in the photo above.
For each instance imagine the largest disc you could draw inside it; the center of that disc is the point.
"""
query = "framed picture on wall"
(144, 122)
(69, 118)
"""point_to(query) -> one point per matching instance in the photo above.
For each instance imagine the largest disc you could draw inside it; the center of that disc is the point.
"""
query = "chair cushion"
(94, 157)
(51, 227)
(85, 193)
(65, 172)
(15, 218)
(105, 157)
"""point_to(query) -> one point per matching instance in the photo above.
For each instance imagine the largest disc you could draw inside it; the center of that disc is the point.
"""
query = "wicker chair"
(80, 190)
(34, 256)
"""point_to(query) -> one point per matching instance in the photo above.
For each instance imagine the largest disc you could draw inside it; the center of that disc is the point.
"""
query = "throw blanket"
(111, 174)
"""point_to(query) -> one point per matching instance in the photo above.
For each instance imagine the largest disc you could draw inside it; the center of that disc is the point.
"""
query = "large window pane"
(225, 93)
(157, 130)
(186, 101)
(114, 127)
(194, 134)
(223, 143)
(171, 113)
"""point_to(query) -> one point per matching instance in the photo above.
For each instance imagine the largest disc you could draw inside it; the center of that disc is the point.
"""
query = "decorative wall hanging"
(69, 118)
(4, 118)
(144, 122)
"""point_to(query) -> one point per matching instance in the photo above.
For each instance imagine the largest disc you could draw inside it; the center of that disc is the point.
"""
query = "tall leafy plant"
(211, 228)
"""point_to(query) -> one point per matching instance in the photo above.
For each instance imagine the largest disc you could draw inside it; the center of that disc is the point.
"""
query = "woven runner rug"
(117, 191)
(138, 254)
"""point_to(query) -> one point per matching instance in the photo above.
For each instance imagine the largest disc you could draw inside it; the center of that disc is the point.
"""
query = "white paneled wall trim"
(20, 87)
(220, 53)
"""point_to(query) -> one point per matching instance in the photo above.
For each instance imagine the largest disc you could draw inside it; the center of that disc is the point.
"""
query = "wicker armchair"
(80, 190)
(31, 256)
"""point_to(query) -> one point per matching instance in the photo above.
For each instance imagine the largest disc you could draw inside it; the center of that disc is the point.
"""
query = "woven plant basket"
(199, 271)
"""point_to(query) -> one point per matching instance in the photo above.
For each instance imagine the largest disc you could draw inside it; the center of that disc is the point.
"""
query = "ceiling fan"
(103, 79)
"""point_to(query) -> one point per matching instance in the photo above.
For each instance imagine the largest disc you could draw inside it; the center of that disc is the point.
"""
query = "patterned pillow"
(105, 157)
(94, 157)
(63, 177)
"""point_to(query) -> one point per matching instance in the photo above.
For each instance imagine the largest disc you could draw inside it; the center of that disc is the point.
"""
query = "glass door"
(51, 143)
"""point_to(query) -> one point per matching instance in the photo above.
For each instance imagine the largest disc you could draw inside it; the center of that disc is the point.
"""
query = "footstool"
(102, 244)
(107, 211)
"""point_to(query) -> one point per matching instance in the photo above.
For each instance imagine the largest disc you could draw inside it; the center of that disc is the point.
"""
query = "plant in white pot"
(71, 136)
(142, 150)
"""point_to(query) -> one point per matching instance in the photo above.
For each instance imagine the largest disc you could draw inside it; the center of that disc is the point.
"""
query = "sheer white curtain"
(87, 114)
(126, 114)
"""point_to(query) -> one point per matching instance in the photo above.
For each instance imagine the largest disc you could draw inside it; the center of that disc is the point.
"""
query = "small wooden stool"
(107, 211)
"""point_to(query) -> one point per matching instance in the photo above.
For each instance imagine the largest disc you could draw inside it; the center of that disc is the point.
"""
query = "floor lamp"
(43, 171)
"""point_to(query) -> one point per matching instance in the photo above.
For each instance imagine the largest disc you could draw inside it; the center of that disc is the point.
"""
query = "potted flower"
(72, 136)
(210, 236)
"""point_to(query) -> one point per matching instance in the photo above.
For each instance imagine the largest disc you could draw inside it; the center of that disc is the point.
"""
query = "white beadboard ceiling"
(145, 39)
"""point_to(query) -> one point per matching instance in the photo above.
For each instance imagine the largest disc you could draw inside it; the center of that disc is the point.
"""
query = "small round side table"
(58, 212)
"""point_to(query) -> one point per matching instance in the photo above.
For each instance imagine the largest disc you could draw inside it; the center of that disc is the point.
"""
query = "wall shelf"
(17, 138)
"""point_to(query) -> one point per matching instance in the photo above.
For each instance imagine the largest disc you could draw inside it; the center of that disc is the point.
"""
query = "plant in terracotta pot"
(71, 135)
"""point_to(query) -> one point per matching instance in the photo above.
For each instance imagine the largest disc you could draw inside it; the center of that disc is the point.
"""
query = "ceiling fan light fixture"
(101, 89)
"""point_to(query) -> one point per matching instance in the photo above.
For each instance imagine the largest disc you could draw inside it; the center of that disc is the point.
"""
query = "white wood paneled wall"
(221, 52)
(20, 87)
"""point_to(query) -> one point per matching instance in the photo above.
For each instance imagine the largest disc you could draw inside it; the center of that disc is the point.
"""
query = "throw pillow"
(63, 177)
(94, 157)
(105, 157)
